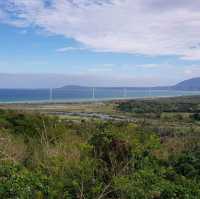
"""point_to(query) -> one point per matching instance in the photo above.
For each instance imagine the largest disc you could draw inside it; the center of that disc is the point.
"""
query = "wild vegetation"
(174, 104)
(155, 157)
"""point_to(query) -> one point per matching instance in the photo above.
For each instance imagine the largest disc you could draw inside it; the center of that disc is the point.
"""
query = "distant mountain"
(188, 85)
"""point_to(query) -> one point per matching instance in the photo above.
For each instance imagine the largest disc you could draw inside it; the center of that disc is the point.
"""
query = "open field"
(149, 108)
(98, 107)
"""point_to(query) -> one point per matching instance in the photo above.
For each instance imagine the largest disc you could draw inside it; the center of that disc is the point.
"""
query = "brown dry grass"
(12, 148)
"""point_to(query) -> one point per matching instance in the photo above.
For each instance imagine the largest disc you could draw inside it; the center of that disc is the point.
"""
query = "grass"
(97, 107)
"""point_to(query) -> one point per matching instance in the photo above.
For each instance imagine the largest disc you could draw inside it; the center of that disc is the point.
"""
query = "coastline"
(89, 100)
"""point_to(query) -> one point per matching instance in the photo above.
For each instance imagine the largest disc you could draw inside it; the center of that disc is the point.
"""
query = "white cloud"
(99, 70)
(58, 80)
(188, 72)
(148, 27)
(70, 48)
(149, 66)
(2, 15)
(191, 71)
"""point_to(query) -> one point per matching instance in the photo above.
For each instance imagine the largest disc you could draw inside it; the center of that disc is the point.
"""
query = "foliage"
(172, 105)
(94, 160)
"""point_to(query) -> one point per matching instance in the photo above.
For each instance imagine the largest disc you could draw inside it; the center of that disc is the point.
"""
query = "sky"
(98, 42)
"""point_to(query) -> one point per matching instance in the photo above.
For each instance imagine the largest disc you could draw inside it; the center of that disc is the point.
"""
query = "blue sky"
(96, 45)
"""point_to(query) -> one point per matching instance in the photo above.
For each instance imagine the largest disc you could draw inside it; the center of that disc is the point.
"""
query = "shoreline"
(82, 101)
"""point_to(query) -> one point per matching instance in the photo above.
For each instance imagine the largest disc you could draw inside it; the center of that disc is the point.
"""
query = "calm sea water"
(83, 94)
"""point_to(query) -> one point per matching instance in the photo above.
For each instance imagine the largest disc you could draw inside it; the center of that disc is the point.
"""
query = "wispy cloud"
(147, 27)
(191, 71)
(59, 80)
(66, 49)
(149, 66)
(102, 69)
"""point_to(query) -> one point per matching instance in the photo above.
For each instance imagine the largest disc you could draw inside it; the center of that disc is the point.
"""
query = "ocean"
(84, 94)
